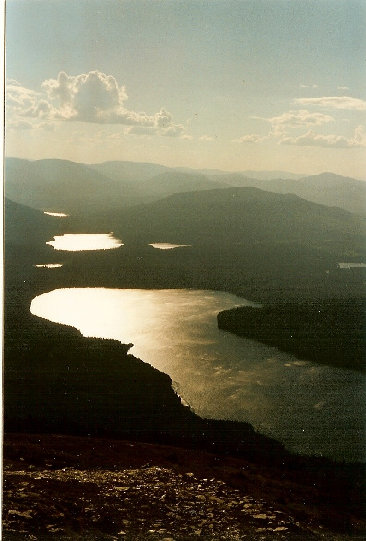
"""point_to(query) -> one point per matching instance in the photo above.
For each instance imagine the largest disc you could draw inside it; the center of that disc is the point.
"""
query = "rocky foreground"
(62, 487)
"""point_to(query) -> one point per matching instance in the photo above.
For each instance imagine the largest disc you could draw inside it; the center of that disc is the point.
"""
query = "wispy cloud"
(308, 86)
(175, 130)
(287, 127)
(330, 141)
(335, 102)
(294, 119)
(250, 138)
(19, 125)
(19, 99)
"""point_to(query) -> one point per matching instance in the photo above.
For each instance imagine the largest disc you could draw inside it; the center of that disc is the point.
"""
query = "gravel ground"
(145, 503)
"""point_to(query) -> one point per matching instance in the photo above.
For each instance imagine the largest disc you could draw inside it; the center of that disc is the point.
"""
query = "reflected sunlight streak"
(167, 245)
(85, 241)
(49, 266)
(56, 214)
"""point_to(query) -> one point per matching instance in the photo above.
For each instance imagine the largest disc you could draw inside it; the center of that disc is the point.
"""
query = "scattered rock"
(162, 505)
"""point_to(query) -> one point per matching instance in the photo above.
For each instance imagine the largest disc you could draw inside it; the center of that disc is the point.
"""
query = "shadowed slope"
(243, 216)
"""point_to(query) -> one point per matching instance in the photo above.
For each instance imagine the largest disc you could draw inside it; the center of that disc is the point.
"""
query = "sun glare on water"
(56, 214)
(167, 245)
(49, 266)
(80, 242)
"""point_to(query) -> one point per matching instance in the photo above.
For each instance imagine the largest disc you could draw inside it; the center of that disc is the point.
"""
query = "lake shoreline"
(330, 332)
(218, 375)
(32, 324)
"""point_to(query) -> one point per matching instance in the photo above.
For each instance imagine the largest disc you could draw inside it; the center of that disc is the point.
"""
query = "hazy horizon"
(178, 166)
(198, 169)
(255, 85)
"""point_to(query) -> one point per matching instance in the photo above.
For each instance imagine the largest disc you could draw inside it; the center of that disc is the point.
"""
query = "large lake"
(312, 409)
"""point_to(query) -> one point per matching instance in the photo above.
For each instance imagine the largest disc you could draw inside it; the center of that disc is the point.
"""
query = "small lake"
(49, 266)
(79, 242)
(312, 409)
(167, 245)
(56, 214)
(346, 265)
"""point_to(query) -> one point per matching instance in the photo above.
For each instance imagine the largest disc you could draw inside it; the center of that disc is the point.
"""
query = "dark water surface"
(312, 409)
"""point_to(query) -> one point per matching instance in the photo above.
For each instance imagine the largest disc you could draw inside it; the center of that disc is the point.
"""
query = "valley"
(266, 247)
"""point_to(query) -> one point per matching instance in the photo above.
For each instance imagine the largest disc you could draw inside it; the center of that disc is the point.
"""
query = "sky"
(221, 84)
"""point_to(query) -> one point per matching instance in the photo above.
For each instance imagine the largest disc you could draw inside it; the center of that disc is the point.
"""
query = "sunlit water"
(346, 265)
(80, 242)
(49, 266)
(167, 245)
(56, 214)
(312, 409)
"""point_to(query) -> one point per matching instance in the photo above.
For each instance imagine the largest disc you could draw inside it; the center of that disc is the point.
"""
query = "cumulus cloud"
(335, 102)
(308, 86)
(343, 88)
(96, 97)
(330, 141)
(251, 138)
(88, 97)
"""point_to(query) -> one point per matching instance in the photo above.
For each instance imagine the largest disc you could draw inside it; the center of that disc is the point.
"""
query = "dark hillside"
(331, 332)
(27, 226)
(243, 216)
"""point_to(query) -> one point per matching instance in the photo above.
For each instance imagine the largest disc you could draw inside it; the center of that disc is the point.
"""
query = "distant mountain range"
(259, 175)
(64, 186)
(129, 171)
(133, 171)
(175, 182)
(61, 185)
(326, 188)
